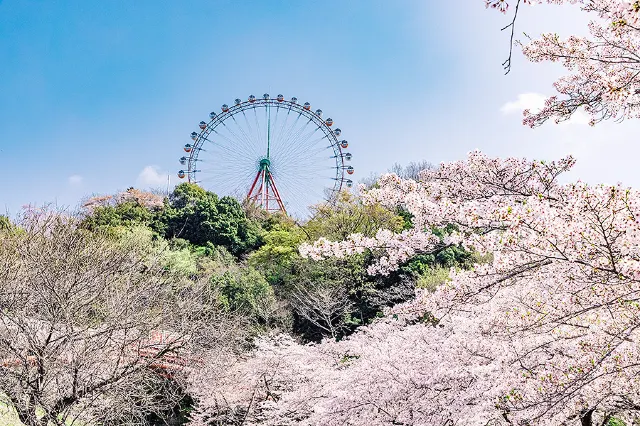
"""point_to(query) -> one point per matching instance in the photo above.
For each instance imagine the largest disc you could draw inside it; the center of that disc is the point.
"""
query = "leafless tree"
(94, 329)
(322, 304)
(410, 171)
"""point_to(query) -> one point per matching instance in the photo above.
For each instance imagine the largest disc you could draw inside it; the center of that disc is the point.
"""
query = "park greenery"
(251, 258)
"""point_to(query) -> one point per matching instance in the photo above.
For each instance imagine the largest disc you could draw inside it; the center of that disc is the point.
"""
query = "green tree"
(245, 291)
(126, 214)
(5, 223)
(348, 215)
(201, 217)
(279, 252)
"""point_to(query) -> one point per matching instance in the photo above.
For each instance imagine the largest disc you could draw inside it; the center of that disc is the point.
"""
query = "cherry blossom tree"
(148, 200)
(604, 67)
(544, 334)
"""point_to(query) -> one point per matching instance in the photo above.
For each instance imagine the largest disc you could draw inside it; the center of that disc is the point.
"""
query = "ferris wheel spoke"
(275, 135)
(259, 135)
(246, 136)
(309, 163)
(300, 150)
(314, 142)
(284, 123)
(231, 141)
(290, 147)
(290, 129)
(233, 133)
(303, 140)
(291, 196)
(274, 127)
(236, 185)
(280, 140)
(300, 195)
(224, 158)
(296, 133)
(225, 166)
(319, 174)
(219, 153)
(219, 174)
(231, 184)
(213, 146)
(316, 154)
(248, 124)
(295, 160)
(307, 170)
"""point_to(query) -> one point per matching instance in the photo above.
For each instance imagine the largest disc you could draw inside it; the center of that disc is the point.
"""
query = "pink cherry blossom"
(603, 68)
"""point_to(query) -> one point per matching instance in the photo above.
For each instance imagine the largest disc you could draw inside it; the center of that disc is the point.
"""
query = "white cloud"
(579, 117)
(530, 101)
(151, 176)
(75, 180)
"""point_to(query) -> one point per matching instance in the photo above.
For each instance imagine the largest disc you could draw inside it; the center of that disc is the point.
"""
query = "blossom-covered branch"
(604, 67)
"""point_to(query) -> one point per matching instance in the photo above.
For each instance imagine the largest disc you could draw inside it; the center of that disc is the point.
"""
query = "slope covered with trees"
(108, 313)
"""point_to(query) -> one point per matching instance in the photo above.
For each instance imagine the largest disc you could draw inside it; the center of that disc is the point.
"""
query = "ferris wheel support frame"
(261, 192)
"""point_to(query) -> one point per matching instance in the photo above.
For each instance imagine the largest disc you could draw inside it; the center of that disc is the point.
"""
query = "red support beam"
(257, 191)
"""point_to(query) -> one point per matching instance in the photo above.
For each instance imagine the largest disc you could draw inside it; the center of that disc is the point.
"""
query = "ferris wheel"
(273, 152)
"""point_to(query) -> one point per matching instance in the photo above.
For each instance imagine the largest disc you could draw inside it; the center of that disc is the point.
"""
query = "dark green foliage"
(407, 219)
(200, 217)
(448, 257)
(5, 223)
(389, 290)
(181, 244)
(127, 214)
(453, 256)
(247, 292)
(368, 295)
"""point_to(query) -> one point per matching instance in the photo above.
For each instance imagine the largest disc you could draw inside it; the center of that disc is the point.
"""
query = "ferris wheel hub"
(265, 163)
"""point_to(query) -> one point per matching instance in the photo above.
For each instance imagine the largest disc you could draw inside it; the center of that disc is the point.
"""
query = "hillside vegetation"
(86, 294)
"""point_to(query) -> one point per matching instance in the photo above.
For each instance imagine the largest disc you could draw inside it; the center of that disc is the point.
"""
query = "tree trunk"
(587, 418)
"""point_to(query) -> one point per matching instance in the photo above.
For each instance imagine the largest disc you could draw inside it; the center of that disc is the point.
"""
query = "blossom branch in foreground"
(604, 67)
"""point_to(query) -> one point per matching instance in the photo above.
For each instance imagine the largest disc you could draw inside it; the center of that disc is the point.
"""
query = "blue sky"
(99, 96)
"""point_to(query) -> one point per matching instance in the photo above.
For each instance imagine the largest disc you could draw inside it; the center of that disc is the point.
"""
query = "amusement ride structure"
(276, 153)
